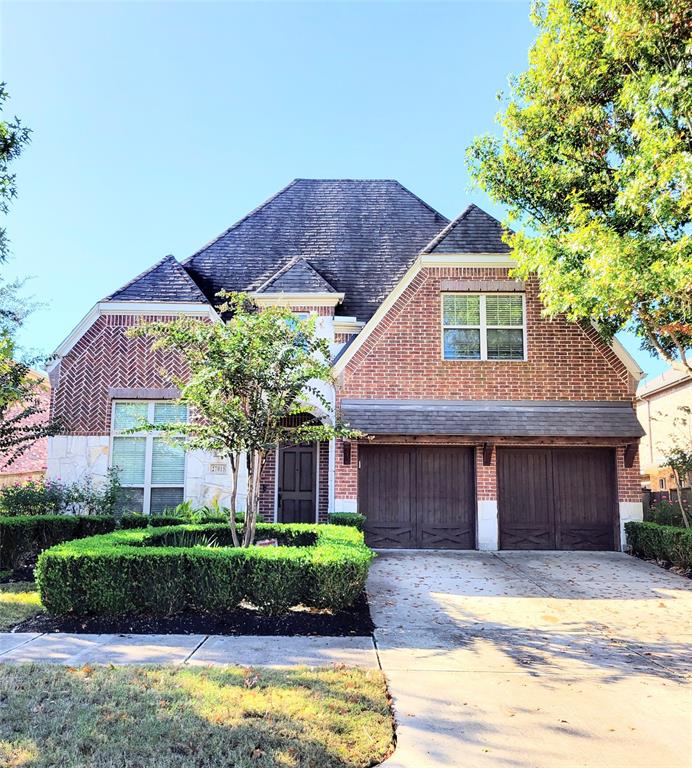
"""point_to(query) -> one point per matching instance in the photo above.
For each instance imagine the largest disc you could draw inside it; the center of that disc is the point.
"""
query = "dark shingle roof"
(165, 281)
(492, 418)
(474, 231)
(298, 276)
(361, 236)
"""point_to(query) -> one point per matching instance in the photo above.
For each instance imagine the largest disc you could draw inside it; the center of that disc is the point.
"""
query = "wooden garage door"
(418, 496)
(557, 498)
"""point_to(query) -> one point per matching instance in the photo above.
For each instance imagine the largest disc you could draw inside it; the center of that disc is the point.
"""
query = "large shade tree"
(23, 419)
(246, 378)
(595, 167)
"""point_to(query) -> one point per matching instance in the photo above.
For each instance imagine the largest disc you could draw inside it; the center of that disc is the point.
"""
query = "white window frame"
(148, 451)
(483, 327)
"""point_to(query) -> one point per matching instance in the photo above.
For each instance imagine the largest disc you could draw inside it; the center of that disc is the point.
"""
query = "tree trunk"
(234, 499)
(678, 482)
(255, 463)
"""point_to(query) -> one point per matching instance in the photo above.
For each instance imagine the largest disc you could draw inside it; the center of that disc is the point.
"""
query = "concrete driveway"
(533, 660)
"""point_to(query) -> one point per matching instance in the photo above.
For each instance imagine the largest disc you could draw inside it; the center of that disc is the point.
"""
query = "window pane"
(504, 310)
(129, 500)
(505, 344)
(169, 413)
(461, 310)
(128, 457)
(462, 344)
(163, 499)
(129, 415)
(167, 463)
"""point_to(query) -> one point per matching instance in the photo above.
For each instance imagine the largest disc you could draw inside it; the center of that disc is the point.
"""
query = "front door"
(297, 484)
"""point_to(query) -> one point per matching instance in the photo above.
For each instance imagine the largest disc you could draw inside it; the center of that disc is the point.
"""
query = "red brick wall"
(486, 477)
(403, 358)
(323, 470)
(346, 480)
(268, 488)
(629, 480)
(104, 357)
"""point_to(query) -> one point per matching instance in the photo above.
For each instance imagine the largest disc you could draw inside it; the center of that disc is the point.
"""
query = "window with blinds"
(483, 326)
(150, 469)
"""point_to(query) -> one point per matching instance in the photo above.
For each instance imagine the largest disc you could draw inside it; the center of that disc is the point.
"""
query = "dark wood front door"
(417, 496)
(297, 484)
(557, 498)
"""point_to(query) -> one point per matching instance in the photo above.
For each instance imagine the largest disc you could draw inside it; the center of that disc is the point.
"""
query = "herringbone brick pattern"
(103, 358)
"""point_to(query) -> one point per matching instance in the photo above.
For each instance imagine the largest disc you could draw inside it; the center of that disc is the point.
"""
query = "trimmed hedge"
(347, 518)
(660, 542)
(192, 568)
(128, 522)
(28, 535)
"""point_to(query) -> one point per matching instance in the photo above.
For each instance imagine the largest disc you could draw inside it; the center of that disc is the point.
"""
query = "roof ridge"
(440, 236)
(281, 271)
(167, 258)
(420, 200)
(444, 233)
(241, 220)
(291, 264)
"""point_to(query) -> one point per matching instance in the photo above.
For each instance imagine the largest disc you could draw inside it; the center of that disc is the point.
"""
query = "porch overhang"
(498, 418)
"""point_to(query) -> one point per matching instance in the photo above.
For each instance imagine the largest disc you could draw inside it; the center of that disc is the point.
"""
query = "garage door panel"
(584, 485)
(524, 499)
(444, 497)
(556, 498)
(383, 490)
(417, 496)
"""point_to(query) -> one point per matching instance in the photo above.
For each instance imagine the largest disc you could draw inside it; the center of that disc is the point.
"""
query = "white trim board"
(297, 299)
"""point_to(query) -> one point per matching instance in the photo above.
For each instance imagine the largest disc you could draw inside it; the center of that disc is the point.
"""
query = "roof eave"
(285, 299)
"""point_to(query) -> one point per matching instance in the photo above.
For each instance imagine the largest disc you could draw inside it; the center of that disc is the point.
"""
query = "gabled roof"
(473, 231)
(298, 276)
(166, 281)
(361, 236)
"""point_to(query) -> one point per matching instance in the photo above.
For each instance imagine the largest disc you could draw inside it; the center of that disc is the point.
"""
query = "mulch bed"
(244, 621)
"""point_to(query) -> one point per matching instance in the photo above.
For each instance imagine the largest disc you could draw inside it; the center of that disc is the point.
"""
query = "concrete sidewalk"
(247, 651)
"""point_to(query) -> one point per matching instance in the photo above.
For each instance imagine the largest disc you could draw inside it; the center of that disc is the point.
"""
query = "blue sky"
(157, 125)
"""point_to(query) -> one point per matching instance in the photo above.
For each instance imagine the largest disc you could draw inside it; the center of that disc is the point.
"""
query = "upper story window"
(151, 471)
(485, 326)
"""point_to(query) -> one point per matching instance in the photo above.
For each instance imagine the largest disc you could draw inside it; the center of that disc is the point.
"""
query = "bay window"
(486, 326)
(150, 470)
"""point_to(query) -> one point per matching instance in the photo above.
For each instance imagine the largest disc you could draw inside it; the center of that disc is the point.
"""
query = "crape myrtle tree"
(246, 377)
(595, 167)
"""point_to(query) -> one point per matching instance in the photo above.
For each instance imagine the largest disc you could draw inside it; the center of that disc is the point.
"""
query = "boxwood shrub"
(347, 518)
(660, 542)
(157, 572)
(27, 535)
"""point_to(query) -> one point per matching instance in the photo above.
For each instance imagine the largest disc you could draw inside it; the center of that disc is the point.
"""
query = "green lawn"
(128, 717)
(18, 601)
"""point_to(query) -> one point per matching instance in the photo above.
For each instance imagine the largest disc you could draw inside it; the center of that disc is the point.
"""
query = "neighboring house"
(489, 425)
(31, 465)
(658, 404)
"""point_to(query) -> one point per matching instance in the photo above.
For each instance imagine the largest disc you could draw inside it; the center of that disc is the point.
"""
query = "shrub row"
(128, 522)
(191, 568)
(661, 542)
(21, 537)
(347, 518)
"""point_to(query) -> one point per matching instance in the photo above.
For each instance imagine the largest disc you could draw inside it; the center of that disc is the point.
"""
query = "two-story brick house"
(489, 426)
